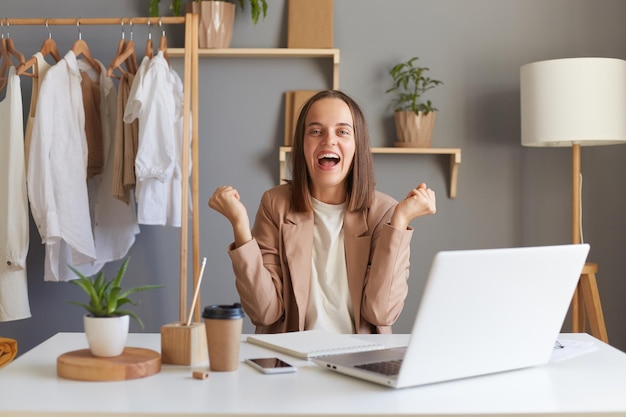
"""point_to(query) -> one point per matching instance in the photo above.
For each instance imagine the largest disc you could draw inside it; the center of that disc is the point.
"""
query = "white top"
(329, 305)
(57, 172)
(13, 205)
(589, 384)
(155, 99)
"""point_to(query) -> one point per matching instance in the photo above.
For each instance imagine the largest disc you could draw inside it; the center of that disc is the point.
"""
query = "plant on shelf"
(410, 83)
(258, 7)
(414, 117)
(106, 296)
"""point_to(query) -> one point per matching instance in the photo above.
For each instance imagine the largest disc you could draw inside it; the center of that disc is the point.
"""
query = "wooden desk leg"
(588, 296)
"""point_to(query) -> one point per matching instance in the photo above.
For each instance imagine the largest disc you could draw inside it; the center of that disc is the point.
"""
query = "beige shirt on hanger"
(14, 237)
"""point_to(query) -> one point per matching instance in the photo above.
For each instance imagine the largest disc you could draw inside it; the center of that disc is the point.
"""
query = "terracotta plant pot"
(415, 131)
(215, 23)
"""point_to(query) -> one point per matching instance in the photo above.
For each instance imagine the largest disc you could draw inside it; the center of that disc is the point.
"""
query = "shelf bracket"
(455, 161)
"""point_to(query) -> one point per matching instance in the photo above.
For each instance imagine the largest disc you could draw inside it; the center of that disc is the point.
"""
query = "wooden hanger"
(163, 41)
(8, 50)
(131, 61)
(120, 49)
(10, 47)
(80, 47)
(125, 55)
(149, 47)
(49, 47)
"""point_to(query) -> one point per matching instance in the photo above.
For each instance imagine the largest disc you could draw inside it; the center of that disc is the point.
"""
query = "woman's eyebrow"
(338, 124)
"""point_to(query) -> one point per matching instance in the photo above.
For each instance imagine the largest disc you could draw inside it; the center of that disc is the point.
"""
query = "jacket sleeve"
(257, 267)
(386, 281)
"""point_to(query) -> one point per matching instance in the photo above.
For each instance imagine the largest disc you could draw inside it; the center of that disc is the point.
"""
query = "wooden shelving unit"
(331, 53)
(455, 160)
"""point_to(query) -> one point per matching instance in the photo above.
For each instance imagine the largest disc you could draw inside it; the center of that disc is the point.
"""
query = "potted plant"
(414, 118)
(217, 18)
(106, 322)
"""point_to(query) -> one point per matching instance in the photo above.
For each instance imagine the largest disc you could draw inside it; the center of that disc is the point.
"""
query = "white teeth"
(328, 155)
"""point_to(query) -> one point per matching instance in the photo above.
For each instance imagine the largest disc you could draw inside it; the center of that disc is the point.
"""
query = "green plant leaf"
(133, 315)
(120, 273)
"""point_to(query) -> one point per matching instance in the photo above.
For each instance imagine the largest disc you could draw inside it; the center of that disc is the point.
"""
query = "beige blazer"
(273, 270)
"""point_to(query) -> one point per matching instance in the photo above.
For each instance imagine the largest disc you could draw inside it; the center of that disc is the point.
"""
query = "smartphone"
(271, 365)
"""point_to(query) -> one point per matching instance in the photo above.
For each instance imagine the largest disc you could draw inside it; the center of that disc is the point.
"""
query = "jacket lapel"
(357, 242)
(298, 241)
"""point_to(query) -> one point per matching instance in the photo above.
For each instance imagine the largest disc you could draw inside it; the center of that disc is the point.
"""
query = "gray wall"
(507, 195)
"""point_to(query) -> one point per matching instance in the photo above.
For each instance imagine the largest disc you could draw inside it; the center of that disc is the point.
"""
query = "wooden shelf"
(455, 159)
(267, 53)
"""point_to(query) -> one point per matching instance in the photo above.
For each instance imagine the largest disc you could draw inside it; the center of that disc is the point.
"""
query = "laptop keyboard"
(384, 367)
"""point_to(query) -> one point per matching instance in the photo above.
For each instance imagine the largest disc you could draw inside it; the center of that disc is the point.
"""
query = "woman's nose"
(329, 138)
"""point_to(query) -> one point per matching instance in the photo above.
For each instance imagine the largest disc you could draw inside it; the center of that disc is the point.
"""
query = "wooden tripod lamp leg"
(588, 287)
(586, 301)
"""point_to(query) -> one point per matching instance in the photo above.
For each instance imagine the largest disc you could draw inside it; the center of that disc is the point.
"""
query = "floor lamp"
(576, 102)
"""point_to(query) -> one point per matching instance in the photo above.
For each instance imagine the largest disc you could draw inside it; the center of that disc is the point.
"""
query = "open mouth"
(328, 159)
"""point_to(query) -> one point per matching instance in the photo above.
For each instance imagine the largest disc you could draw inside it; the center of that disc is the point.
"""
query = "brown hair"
(360, 179)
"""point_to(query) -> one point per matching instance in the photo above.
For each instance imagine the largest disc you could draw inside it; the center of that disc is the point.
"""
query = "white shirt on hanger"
(57, 172)
(156, 99)
(114, 222)
(14, 236)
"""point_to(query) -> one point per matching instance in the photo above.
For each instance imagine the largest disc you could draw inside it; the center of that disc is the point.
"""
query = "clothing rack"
(190, 129)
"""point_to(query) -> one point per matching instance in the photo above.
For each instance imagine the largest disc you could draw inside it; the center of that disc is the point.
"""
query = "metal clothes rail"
(190, 129)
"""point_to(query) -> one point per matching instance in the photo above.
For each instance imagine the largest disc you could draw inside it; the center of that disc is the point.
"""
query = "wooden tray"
(133, 363)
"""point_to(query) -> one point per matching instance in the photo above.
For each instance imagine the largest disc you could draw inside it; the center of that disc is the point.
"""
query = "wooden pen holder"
(182, 344)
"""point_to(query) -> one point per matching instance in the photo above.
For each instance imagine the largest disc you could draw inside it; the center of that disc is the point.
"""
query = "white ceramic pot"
(106, 335)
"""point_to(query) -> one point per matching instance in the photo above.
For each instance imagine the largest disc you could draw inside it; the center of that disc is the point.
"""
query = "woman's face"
(329, 147)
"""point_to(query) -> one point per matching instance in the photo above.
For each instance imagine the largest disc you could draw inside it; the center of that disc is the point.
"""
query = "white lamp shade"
(573, 100)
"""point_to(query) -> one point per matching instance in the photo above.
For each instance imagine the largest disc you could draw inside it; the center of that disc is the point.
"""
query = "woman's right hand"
(420, 201)
(226, 200)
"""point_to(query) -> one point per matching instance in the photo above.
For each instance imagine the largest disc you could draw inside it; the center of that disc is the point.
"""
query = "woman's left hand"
(419, 201)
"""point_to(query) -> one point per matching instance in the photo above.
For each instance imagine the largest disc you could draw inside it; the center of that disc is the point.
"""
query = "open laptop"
(482, 311)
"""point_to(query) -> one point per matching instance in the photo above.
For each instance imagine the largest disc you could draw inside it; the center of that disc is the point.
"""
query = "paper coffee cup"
(223, 324)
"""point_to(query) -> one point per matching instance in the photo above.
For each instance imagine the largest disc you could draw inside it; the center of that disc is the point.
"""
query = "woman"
(327, 250)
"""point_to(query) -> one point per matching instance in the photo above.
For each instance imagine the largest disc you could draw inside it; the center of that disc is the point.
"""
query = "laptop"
(482, 311)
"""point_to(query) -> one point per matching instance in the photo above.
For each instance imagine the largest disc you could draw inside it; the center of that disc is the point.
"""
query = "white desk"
(590, 384)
